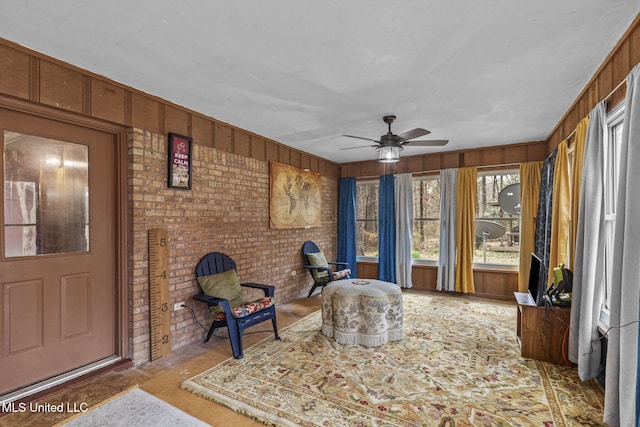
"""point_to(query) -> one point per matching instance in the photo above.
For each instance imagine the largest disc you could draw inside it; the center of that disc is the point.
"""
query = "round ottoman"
(365, 312)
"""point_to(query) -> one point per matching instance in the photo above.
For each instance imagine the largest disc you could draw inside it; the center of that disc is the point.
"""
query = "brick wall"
(226, 210)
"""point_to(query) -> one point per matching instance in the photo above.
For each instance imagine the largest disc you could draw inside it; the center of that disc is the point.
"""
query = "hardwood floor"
(162, 377)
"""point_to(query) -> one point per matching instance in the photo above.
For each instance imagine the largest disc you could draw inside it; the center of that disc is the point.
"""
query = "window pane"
(612, 167)
(367, 218)
(504, 249)
(426, 218)
(46, 200)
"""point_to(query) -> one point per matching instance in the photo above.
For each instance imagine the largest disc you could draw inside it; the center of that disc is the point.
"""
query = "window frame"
(614, 121)
(366, 258)
(488, 265)
(480, 266)
(424, 177)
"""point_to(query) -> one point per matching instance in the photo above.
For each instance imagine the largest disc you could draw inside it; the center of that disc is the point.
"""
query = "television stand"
(543, 332)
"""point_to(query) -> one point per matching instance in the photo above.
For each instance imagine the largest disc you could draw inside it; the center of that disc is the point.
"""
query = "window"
(502, 250)
(46, 199)
(611, 167)
(426, 218)
(500, 215)
(367, 218)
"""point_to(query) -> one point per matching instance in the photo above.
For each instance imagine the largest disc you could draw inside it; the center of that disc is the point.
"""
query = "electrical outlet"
(178, 306)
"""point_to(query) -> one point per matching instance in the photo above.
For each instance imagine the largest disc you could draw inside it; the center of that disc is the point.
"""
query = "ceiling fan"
(390, 145)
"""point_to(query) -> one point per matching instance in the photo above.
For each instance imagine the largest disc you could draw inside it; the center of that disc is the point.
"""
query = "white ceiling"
(303, 72)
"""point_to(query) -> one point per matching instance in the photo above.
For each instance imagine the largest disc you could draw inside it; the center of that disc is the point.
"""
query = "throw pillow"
(318, 259)
(223, 285)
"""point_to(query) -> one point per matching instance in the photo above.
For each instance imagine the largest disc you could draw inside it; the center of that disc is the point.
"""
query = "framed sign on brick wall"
(179, 161)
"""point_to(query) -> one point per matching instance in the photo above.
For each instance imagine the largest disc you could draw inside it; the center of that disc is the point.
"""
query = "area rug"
(458, 365)
(135, 408)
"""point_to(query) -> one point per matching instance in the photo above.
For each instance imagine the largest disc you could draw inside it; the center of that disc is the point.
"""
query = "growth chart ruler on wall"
(159, 312)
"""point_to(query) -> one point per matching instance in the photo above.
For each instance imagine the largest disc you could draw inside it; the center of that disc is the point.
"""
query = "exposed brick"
(227, 210)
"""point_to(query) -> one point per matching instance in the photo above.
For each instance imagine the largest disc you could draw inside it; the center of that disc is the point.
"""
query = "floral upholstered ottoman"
(366, 312)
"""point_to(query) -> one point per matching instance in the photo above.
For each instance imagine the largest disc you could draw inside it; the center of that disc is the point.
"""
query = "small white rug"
(135, 408)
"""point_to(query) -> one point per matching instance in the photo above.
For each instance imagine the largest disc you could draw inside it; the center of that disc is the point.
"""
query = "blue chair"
(222, 292)
(319, 267)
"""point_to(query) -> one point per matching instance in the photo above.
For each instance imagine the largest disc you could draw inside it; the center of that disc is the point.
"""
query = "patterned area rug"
(458, 365)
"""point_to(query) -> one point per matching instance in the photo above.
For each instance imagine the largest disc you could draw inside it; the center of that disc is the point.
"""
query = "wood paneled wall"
(496, 284)
(40, 79)
(493, 284)
(489, 156)
(613, 71)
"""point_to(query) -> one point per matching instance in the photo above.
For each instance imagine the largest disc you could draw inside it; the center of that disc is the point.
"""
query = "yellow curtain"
(576, 181)
(466, 194)
(561, 210)
(530, 176)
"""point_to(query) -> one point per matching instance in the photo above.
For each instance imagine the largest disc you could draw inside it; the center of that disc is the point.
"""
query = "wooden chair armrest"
(339, 263)
(269, 290)
(212, 301)
(317, 267)
(209, 300)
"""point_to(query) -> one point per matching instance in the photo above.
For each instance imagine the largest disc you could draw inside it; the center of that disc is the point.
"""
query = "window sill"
(494, 267)
(425, 262)
(434, 263)
(367, 259)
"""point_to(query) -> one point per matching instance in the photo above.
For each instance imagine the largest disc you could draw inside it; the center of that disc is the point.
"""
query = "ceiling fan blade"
(362, 146)
(414, 133)
(426, 143)
(359, 137)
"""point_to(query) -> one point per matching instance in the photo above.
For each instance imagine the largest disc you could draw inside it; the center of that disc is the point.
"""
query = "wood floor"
(162, 377)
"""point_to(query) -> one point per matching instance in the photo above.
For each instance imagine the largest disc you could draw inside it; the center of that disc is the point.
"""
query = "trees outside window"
(367, 218)
(506, 248)
(426, 218)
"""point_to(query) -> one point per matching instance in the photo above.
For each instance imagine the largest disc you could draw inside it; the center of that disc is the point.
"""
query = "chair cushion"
(223, 285)
(337, 275)
(318, 259)
(246, 309)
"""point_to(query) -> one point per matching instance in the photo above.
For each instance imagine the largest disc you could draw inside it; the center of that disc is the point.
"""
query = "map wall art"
(295, 197)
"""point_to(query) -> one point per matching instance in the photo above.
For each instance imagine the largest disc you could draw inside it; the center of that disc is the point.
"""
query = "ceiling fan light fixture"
(389, 154)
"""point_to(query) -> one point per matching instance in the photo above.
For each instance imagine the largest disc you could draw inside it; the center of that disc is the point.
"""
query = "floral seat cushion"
(337, 275)
(317, 259)
(246, 309)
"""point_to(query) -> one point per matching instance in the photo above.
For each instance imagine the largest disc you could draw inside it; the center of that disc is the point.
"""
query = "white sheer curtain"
(587, 295)
(404, 228)
(447, 260)
(622, 348)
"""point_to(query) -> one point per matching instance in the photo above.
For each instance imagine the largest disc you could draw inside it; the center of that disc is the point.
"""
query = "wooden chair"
(222, 292)
(319, 268)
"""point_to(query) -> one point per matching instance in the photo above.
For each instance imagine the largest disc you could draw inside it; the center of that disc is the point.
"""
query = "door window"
(46, 196)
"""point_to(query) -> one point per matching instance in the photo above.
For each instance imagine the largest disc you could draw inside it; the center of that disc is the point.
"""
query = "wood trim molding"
(134, 108)
(119, 133)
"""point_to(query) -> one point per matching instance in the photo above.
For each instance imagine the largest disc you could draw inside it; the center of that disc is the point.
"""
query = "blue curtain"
(386, 231)
(347, 224)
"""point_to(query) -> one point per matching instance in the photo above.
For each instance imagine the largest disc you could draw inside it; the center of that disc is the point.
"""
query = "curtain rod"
(606, 98)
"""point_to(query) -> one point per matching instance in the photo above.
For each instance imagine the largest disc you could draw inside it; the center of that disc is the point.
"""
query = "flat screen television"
(536, 291)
